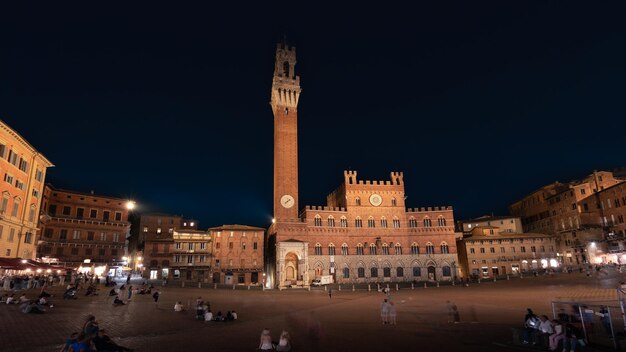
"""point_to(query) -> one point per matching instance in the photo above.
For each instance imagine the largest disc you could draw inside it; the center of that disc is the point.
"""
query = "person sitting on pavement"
(219, 316)
(69, 342)
(178, 307)
(103, 342)
(90, 328)
(229, 316)
(284, 343)
(83, 343)
(117, 301)
(32, 307)
(11, 299)
(234, 315)
(208, 316)
(112, 292)
(558, 335)
(23, 299)
(199, 312)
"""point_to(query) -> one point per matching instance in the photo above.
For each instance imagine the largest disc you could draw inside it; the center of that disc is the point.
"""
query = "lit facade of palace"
(364, 233)
(23, 172)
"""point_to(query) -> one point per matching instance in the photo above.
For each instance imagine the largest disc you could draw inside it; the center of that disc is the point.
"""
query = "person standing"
(284, 344)
(130, 292)
(128, 279)
(392, 313)
(155, 296)
(384, 312)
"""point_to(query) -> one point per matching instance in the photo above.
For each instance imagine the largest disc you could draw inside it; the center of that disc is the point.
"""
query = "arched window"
(387, 272)
(371, 222)
(396, 223)
(331, 249)
(286, 69)
(343, 222)
(331, 221)
(417, 271)
(346, 273)
(383, 223)
(374, 272)
(357, 201)
(427, 222)
(360, 272)
(430, 249)
(358, 222)
(318, 249)
(412, 222)
(444, 248)
(372, 249)
(344, 249)
(415, 249)
(16, 206)
(399, 271)
(445, 270)
(385, 249)
(359, 249)
(398, 249)
(318, 220)
(393, 202)
(441, 221)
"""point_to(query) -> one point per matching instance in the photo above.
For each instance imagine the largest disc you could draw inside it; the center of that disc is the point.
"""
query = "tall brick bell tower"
(285, 95)
(286, 255)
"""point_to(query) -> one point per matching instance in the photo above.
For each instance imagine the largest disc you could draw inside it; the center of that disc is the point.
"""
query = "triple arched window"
(331, 249)
(343, 222)
(385, 249)
(371, 222)
(430, 249)
(441, 221)
(412, 222)
(318, 249)
(415, 249)
(331, 221)
(444, 248)
(427, 222)
(398, 249)
(344, 249)
(317, 221)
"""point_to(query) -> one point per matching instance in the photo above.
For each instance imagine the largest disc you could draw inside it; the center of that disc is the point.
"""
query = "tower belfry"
(284, 102)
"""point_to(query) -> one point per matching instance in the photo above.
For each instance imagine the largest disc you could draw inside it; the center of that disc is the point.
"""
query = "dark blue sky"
(477, 103)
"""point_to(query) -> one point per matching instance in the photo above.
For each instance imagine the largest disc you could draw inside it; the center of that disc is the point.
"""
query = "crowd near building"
(364, 233)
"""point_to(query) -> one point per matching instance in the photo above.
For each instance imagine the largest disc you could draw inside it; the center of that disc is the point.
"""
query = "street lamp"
(130, 205)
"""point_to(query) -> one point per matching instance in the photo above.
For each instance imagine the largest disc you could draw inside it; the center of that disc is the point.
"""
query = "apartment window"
(88, 251)
(116, 237)
(398, 249)
(179, 245)
(63, 235)
(8, 179)
(12, 157)
(203, 245)
(427, 222)
(230, 245)
(47, 234)
(90, 235)
(317, 221)
(80, 213)
(533, 249)
(101, 252)
(371, 222)
(74, 251)
(383, 223)
(38, 175)
(11, 235)
(243, 246)
(190, 246)
(472, 251)
(415, 249)
(177, 258)
(114, 252)
(492, 250)
(93, 213)
(67, 211)
(412, 223)
(23, 165)
(396, 223)
(254, 246)
(28, 237)
(76, 235)
(331, 221)
(16, 206)
(106, 215)
(482, 250)
(502, 250)
(523, 249)
(3, 150)
(52, 209)
(344, 249)
(318, 249)
(512, 249)
(359, 249)
(217, 245)
(202, 259)
(103, 236)
(385, 249)
(190, 259)
(372, 249)
(430, 249)
(444, 248)
(358, 222)
(31, 213)
(346, 273)
(19, 184)
(331, 249)
(543, 249)
(118, 216)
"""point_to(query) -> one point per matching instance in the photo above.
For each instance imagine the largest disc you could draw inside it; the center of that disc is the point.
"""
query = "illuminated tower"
(285, 95)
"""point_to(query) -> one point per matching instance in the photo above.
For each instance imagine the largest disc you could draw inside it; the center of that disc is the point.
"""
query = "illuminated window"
(331, 221)
(317, 221)
(343, 222)
(412, 222)
(427, 222)
(396, 223)
(441, 221)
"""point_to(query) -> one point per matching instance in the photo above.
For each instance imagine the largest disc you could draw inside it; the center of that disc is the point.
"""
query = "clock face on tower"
(287, 201)
(376, 200)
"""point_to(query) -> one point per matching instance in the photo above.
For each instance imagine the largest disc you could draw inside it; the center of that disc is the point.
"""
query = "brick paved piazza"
(349, 320)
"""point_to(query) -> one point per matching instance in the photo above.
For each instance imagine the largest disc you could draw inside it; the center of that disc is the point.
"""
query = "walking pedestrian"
(330, 292)
(130, 292)
(384, 311)
(155, 296)
(392, 313)
(128, 279)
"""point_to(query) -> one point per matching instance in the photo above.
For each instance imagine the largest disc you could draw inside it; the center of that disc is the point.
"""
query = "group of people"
(90, 338)
(36, 306)
(266, 343)
(204, 313)
(388, 312)
(559, 333)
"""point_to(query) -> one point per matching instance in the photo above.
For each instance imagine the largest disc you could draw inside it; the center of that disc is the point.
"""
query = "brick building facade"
(83, 229)
(364, 233)
(572, 212)
(23, 172)
(237, 254)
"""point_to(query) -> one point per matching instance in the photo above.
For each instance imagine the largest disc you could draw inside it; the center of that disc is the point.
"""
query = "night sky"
(478, 103)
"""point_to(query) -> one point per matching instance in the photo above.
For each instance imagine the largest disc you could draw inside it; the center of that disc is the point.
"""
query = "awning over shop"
(26, 264)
